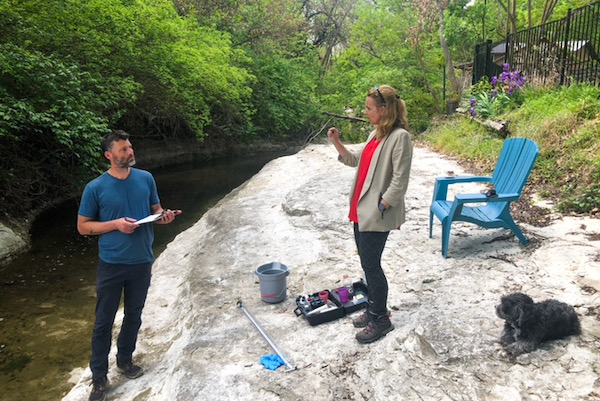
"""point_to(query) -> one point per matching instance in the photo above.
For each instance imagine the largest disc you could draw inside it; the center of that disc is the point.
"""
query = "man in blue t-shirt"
(110, 207)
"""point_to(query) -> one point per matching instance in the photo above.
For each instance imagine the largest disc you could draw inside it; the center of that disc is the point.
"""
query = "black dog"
(527, 324)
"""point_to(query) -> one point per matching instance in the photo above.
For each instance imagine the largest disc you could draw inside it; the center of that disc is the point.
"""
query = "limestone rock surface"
(197, 344)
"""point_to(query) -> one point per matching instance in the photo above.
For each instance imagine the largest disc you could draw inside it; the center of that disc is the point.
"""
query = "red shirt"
(363, 168)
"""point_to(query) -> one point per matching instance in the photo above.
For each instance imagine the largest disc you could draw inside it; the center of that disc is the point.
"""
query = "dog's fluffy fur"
(527, 323)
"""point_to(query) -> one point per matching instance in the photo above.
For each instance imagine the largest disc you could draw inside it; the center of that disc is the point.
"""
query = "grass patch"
(564, 122)
(467, 140)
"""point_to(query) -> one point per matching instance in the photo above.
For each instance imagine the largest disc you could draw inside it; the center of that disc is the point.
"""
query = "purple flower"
(505, 84)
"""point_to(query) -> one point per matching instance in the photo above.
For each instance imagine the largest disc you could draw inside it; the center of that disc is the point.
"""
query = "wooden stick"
(342, 117)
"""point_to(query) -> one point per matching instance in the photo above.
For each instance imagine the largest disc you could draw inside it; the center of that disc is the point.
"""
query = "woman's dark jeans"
(113, 280)
(370, 245)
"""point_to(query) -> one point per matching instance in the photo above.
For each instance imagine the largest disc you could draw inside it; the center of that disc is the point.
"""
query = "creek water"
(47, 296)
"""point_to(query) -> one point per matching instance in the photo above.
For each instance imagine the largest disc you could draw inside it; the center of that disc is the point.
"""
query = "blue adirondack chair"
(508, 179)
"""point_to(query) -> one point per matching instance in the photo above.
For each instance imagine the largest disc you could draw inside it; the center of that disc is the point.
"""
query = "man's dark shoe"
(130, 370)
(98, 389)
(376, 328)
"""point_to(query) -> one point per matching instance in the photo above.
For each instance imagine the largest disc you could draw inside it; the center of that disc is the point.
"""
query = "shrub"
(585, 202)
(501, 94)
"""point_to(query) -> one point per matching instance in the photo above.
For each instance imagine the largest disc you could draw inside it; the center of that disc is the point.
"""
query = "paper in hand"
(150, 219)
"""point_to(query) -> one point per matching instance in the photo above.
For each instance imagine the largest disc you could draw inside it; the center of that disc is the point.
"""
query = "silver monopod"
(287, 362)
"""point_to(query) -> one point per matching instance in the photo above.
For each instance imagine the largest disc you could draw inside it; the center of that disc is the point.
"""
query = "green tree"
(284, 64)
(184, 69)
(329, 23)
(70, 70)
(385, 49)
(49, 127)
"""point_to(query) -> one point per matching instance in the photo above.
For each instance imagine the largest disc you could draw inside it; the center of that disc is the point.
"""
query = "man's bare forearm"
(96, 227)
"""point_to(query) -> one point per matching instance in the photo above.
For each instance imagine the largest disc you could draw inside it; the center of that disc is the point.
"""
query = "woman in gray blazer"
(377, 198)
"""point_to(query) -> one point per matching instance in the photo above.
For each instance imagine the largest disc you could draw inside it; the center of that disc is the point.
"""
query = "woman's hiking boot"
(377, 327)
(362, 321)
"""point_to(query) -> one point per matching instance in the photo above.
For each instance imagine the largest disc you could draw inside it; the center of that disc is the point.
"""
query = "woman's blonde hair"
(395, 114)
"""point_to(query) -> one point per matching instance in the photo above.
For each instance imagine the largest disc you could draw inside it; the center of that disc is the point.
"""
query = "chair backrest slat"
(514, 165)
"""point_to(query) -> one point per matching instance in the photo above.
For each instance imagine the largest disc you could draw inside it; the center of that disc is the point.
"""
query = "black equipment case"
(314, 310)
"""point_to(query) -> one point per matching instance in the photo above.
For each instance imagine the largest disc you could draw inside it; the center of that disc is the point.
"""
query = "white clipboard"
(150, 219)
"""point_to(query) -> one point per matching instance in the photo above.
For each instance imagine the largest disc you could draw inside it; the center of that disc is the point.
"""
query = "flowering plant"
(500, 94)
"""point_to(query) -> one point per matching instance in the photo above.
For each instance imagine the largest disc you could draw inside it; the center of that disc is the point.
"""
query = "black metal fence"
(486, 64)
(562, 51)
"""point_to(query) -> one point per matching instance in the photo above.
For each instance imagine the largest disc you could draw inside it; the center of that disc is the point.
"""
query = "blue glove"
(272, 361)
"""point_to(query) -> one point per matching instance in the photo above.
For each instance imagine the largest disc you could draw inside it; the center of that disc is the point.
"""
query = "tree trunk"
(454, 85)
(511, 19)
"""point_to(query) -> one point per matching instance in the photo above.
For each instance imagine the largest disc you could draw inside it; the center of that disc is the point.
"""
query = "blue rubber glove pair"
(272, 361)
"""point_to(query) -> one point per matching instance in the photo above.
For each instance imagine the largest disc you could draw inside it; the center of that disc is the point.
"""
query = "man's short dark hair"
(116, 135)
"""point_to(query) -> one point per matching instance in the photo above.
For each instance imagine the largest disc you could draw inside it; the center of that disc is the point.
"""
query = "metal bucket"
(273, 282)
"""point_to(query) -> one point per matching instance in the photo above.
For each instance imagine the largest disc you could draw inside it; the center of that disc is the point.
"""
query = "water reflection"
(47, 296)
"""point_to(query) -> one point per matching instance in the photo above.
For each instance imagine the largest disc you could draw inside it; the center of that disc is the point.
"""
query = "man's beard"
(125, 163)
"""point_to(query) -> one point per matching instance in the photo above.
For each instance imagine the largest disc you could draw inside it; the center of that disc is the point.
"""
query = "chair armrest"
(440, 190)
(461, 179)
(479, 198)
